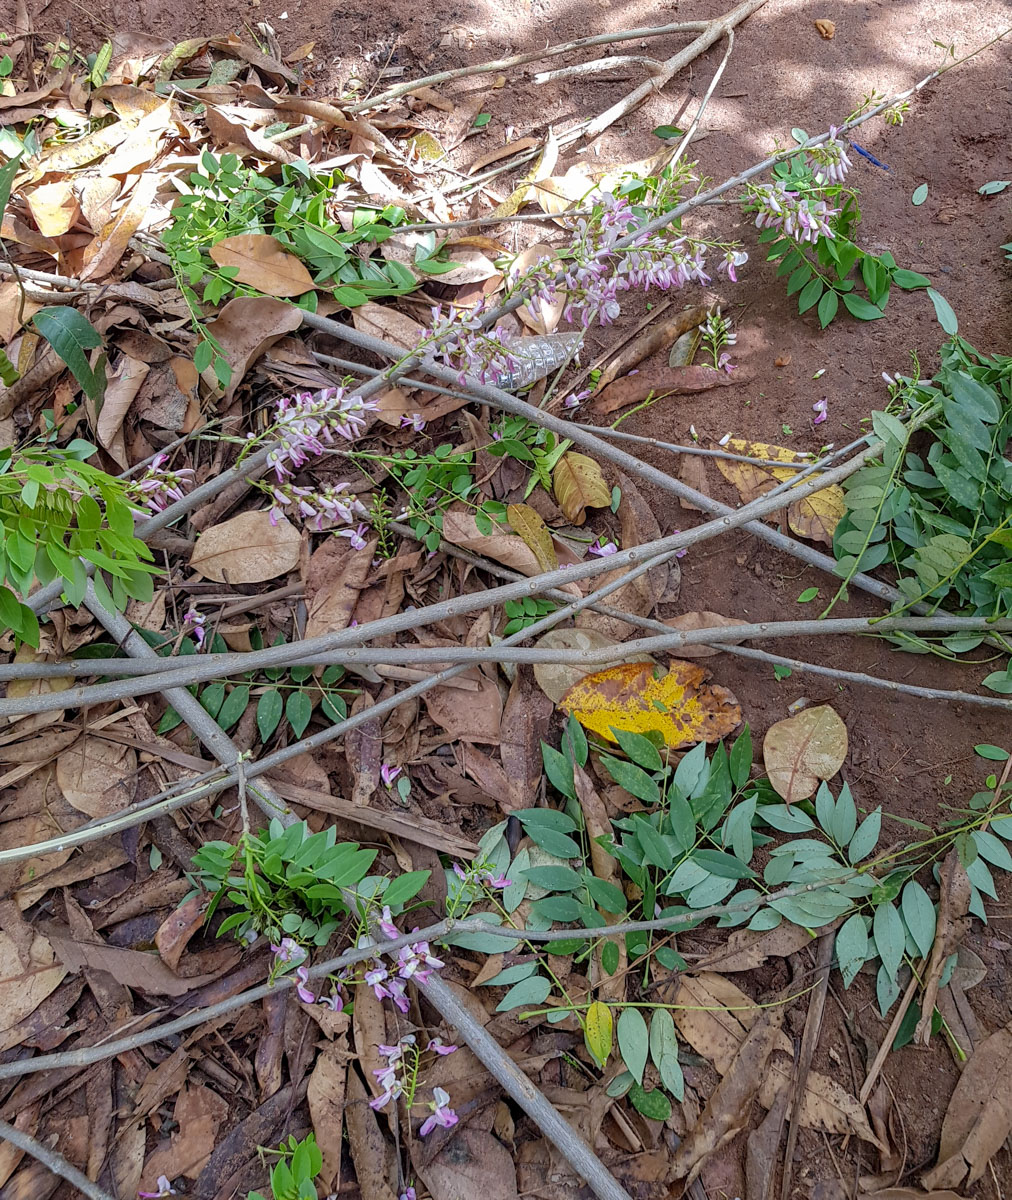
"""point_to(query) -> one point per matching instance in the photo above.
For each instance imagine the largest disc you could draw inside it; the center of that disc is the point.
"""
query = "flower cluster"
(401, 1071)
(306, 425)
(830, 163)
(800, 217)
(482, 874)
(335, 502)
(289, 952)
(415, 961)
(158, 487)
(460, 342)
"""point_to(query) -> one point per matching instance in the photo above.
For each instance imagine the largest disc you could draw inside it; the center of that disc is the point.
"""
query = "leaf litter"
(113, 936)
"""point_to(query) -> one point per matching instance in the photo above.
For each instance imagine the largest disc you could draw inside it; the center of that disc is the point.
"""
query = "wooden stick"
(52, 1161)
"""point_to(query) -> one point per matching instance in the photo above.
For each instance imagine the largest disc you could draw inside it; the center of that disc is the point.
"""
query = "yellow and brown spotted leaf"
(579, 485)
(681, 705)
(426, 147)
(814, 516)
(527, 522)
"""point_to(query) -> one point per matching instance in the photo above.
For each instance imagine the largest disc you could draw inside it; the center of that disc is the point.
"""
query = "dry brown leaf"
(54, 207)
(525, 720)
(472, 1164)
(23, 989)
(389, 324)
(12, 315)
(493, 156)
(372, 1154)
(826, 28)
(431, 97)
(805, 748)
(548, 316)
(579, 484)
(902, 1193)
(691, 621)
(468, 716)
(110, 245)
(97, 144)
(555, 679)
(681, 706)
(133, 968)
(555, 193)
(197, 1115)
(528, 524)
(226, 130)
(658, 336)
(460, 528)
(179, 926)
(247, 549)
(663, 382)
(334, 580)
(263, 264)
(727, 1109)
(953, 908)
(326, 1108)
(120, 393)
(473, 266)
(97, 777)
(747, 949)
(245, 328)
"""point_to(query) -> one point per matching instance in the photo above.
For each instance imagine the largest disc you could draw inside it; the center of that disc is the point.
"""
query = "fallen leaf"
(805, 748)
(472, 1163)
(326, 1109)
(526, 717)
(133, 968)
(246, 327)
(826, 28)
(110, 245)
(263, 264)
(953, 908)
(120, 392)
(902, 1193)
(54, 207)
(468, 716)
(371, 1153)
(528, 524)
(680, 706)
(815, 516)
(12, 315)
(247, 549)
(657, 336)
(499, 152)
(425, 146)
(747, 949)
(179, 926)
(691, 621)
(230, 132)
(663, 382)
(431, 97)
(97, 777)
(23, 989)
(334, 579)
(197, 1115)
(461, 528)
(555, 193)
(555, 679)
(388, 324)
(579, 484)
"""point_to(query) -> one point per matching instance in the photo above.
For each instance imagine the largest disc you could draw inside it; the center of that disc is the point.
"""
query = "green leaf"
(559, 770)
(7, 173)
(994, 753)
(918, 916)
(653, 1104)
(663, 1042)
(609, 957)
(634, 779)
(866, 838)
(555, 843)
(808, 595)
(890, 938)
(606, 895)
(405, 887)
(860, 308)
(828, 305)
(512, 975)
(844, 817)
(70, 334)
(640, 749)
(910, 279)
(558, 908)
(726, 866)
(944, 312)
(920, 194)
(633, 1042)
(667, 132)
(994, 187)
(598, 1032)
(481, 120)
(270, 707)
(741, 758)
(999, 681)
(555, 879)
(298, 710)
(851, 948)
(234, 706)
(810, 293)
(533, 990)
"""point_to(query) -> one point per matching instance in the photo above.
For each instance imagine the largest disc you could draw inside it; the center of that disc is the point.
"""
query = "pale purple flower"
(830, 163)
(193, 622)
(356, 536)
(725, 363)
(459, 871)
(800, 217)
(306, 425)
(386, 923)
(602, 548)
(821, 410)
(389, 774)
(413, 421)
(158, 487)
(408, 1194)
(575, 399)
(680, 553)
(732, 260)
(305, 995)
(164, 1189)
(492, 880)
(441, 1114)
(289, 951)
(437, 1046)
(335, 1001)
(334, 502)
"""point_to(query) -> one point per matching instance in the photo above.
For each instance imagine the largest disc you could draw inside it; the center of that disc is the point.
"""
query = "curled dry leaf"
(460, 528)
(247, 549)
(814, 517)
(802, 750)
(120, 393)
(663, 382)
(110, 245)
(54, 207)
(953, 908)
(263, 264)
(527, 523)
(389, 324)
(245, 328)
(97, 777)
(555, 679)
(579, 484)
(826, 28)
(702, 620)
(657, 336)
(334, 579)
(979, 1116)
(681, 706)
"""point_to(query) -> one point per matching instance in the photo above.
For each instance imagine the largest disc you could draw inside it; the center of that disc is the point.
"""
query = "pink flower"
(194, 622)
(164, 1189)
(437, 1046)
(602, 548)
(386, 923)
(413, 421)
(441, 1114)
(335, 1001)
(724, 363)
(289, 951)
(680, 553)
(305, 995)
(389, 774)
(575, 399)
(821, 410)
(733, 259)
(490, 879)
(356, 536)
(408, 1194)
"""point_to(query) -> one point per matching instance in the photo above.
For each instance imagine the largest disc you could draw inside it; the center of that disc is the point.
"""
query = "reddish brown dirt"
(910, 757)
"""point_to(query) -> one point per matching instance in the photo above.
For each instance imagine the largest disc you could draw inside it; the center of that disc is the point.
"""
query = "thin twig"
(601, 66)
(690, 133)
(52, 1161)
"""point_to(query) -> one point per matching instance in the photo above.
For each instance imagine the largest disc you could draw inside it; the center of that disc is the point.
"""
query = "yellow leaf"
(54, 207)
(814, 516)
(263, 264)
(598, 1032)
(681, 706)
(527, 522)
(426, 147)
(579, 485)
(800, 751)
